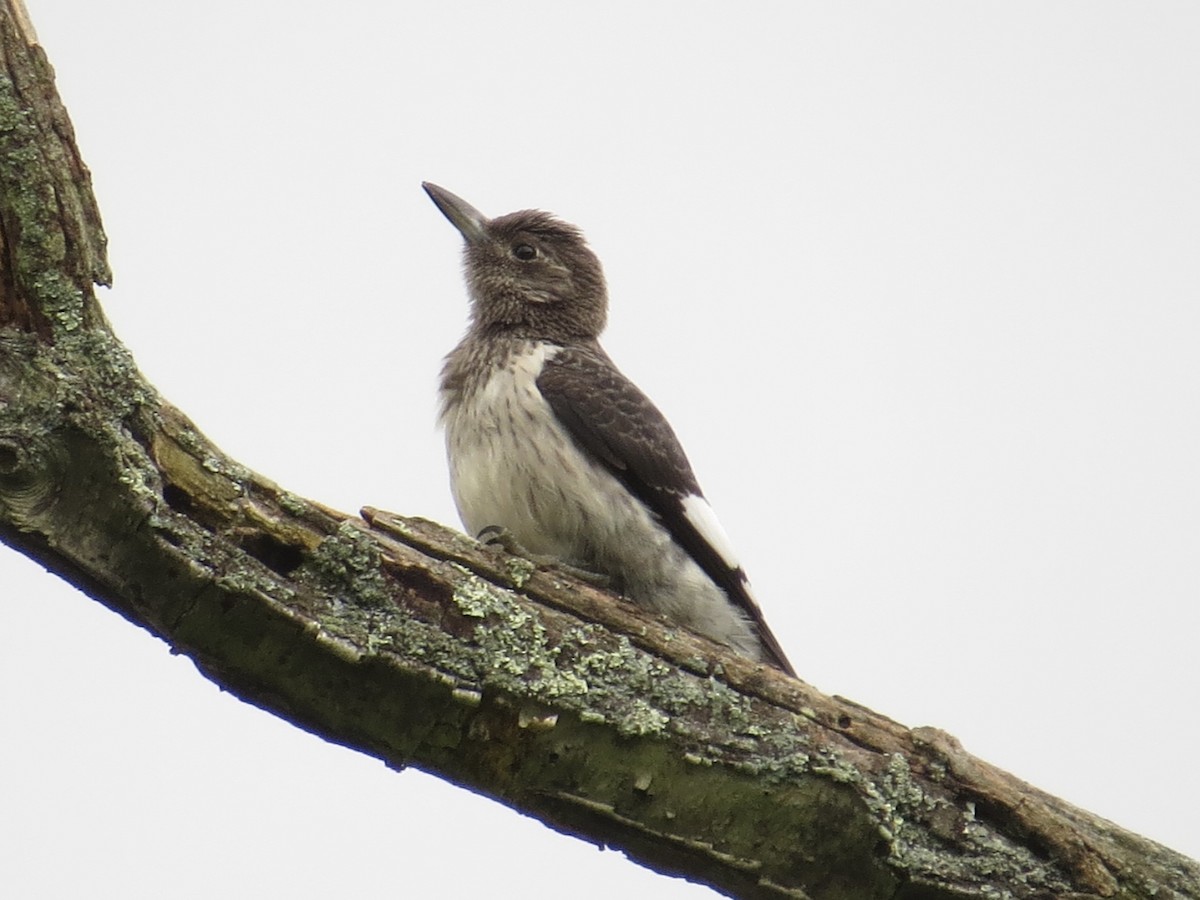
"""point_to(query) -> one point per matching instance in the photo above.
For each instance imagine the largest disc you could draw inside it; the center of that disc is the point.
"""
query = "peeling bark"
(405, 640)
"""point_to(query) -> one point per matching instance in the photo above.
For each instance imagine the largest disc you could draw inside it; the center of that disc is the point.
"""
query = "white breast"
(512, 464)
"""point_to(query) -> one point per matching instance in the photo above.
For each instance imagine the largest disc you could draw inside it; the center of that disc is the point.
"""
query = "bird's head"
(528, 273)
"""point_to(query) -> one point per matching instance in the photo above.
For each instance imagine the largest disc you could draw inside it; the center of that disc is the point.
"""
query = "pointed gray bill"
(462, 215)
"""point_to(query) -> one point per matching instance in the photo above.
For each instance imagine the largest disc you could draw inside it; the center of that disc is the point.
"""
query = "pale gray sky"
(918, 285)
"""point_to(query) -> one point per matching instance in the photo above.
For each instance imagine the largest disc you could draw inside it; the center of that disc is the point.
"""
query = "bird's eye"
(524, 252)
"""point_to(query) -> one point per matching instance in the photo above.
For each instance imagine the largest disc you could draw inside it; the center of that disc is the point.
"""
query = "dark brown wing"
(611, 419)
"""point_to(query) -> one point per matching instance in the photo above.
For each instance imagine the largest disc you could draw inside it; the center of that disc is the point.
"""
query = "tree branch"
(405, 640)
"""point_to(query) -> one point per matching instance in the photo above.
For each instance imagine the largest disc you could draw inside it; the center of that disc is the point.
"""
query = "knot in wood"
(30, 473)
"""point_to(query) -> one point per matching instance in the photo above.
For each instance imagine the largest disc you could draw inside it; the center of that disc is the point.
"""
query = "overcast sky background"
(917, 284)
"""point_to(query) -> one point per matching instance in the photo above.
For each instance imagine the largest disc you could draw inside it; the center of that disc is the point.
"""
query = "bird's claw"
(499, 536)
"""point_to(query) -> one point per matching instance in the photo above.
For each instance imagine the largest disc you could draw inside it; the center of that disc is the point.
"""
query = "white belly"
(512, 465)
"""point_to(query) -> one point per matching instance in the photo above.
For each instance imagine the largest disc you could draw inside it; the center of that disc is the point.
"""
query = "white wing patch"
(704, 520)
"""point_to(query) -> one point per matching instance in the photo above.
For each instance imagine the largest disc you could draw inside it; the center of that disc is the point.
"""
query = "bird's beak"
(462, 215)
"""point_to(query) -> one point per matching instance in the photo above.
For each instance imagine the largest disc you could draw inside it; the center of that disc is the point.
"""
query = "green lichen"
(477, 598)
(39, 245)
(519, 570)
(292, 504)
(348, 564)
(61, 301)
(903, 809)
(525, 662)
(642, 719)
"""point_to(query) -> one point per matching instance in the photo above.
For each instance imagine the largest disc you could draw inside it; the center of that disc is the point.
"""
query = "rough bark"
(410, 642)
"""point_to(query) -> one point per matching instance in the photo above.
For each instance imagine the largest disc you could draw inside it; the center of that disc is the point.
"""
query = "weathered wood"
(408, 641)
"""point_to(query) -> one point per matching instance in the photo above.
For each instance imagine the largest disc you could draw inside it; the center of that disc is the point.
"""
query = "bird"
(555, 454)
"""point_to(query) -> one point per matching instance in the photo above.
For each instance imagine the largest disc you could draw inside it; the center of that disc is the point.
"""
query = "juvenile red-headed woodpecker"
(549, 442)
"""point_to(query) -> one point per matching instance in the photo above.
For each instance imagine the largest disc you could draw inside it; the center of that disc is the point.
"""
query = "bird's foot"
(499, 536)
